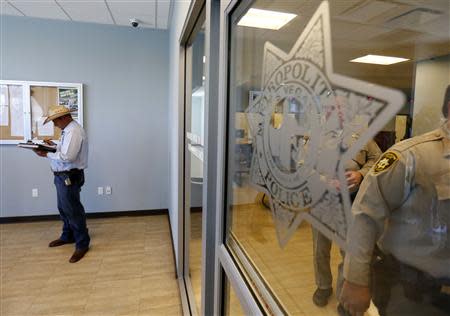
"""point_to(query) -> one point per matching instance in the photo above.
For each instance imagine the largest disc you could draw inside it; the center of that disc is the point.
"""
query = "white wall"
(179, 13)
(432, 79)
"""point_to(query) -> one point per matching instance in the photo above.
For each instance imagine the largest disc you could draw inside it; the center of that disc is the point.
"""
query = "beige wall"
(432, 79)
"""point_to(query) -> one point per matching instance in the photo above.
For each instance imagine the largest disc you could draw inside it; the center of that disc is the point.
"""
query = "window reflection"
(292, 122)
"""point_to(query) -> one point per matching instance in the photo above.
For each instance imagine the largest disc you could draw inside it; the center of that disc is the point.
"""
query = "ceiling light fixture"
(378, 60)
(265, 19)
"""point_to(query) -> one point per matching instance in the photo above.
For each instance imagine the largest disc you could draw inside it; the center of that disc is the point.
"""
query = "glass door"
(316, 92)
(193, 164)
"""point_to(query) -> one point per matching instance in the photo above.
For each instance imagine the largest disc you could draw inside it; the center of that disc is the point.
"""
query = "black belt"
(67, 172)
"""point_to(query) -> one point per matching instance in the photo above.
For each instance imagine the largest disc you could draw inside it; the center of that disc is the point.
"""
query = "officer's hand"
(40, 153)
(355, 298)
(354, 178)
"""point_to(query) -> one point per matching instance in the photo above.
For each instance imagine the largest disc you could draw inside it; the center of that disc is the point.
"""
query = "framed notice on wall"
(68, 97)
(24, 106)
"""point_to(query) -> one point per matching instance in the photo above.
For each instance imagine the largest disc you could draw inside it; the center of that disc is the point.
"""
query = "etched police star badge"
(305, 124)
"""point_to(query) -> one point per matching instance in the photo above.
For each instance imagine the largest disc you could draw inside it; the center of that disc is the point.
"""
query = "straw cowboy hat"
(55, 112)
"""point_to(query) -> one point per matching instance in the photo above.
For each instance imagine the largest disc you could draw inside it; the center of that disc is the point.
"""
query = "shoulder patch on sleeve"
(385, 162)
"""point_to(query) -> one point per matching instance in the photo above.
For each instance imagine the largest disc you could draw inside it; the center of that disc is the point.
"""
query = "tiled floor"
(129, 270)
(195, 257)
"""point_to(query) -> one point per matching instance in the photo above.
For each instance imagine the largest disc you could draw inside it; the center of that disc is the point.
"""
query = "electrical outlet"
(34, 193)
(100, 190)
(108, 190)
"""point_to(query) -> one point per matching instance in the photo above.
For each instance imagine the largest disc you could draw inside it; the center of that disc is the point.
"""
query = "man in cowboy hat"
(399, 240)
(68, 164)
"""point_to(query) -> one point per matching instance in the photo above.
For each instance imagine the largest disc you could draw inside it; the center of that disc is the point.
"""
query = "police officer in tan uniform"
(399, 241)
(356, 169)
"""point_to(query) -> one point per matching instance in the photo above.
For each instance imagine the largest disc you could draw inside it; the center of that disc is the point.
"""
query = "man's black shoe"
(321, 296)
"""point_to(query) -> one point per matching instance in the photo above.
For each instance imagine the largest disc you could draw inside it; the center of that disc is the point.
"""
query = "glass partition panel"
(196, 150)
(44, 97)
(194, 124)
(11, 112)
(41, 99)
(313, 93)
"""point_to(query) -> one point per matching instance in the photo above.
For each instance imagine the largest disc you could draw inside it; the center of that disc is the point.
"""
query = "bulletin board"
(24, 106)
(12, 116)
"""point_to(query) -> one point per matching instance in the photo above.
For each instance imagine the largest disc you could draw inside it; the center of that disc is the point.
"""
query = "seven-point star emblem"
(305, 124)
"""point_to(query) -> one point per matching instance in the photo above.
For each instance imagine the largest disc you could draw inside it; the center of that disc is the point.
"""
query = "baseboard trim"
(38, 218)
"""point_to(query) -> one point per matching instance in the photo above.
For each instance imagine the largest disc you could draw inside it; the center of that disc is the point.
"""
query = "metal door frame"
(226, 267)
(217, 262)
(210, 9)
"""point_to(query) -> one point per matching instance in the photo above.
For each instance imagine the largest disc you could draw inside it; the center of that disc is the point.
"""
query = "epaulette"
(411, 142)
(388, 159)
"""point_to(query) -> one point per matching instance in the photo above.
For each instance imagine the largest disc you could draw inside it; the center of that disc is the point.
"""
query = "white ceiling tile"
(123, 11)
(339, 7)
(414, 19)
(47, 9)
(368, 10)
(442, 5)
(7, 9)
(355, 31)
(87, 11)
(440, 27)
(162, 14)
(162, 23)
(163, 7)
(366, 32)
(95, 11)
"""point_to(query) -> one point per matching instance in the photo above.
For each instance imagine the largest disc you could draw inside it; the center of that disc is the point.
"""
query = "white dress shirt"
(72, 150)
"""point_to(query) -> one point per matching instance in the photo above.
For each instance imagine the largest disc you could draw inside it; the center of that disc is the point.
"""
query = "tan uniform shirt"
(403, 204)
(364, 159)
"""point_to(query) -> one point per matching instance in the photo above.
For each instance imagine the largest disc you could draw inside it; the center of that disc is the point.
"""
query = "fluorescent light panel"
(378, 60)
(265, 19)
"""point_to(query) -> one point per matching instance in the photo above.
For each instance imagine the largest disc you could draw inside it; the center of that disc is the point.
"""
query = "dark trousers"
(402, 290)
(400, 305)
(70, 208)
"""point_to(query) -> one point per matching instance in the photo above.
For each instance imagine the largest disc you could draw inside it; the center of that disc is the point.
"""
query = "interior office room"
(120, 74)
(220, 138)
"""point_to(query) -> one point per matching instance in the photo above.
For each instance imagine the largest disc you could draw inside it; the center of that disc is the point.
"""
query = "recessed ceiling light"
(378, 60)
(265, 19)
